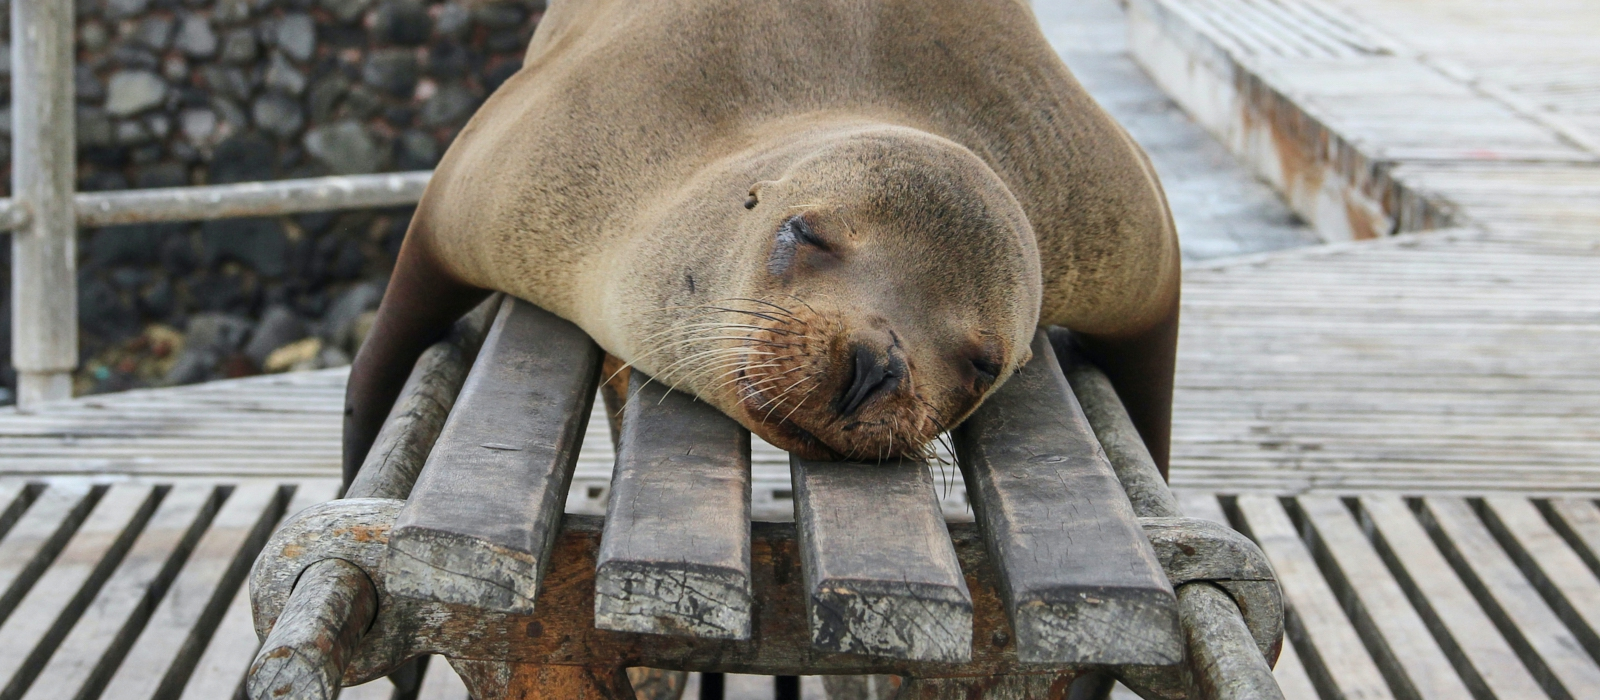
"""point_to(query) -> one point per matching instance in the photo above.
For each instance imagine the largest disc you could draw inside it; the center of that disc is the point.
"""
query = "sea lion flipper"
(422, 302)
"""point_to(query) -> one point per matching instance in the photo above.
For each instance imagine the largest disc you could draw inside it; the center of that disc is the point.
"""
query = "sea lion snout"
(876, 369)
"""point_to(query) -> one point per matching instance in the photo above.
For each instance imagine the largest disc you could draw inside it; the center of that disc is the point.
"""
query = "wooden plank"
(45, 615)
(1406, 652)
(159, 662)
(1080, 580)
(442, 682)
(1568, 584)
(1578, 521)
(44, 323)
(1290, 673)
(222, 666)
(881, 575)
(96, 645)
(33, 542)
(1487, 663)
(482, 515)
(675, 555)
(1333, 653)
(1549, 649)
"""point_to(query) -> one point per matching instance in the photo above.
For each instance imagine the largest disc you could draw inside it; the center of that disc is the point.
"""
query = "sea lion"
(837, 221)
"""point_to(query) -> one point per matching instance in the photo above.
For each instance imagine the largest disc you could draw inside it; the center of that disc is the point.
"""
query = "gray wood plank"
(160, 661)
(881, 575)
(1551, 651)
(222, 666)
(1554, 568)
(1406, 651)
(1487, 663)
(96, 645)
(1340, 662)
(1079, 579)
(38, 535)
(45, 615)
(478, 525)
(1578, 520)
(675, 554)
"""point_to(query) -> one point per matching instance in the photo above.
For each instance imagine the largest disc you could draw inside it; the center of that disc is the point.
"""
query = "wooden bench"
(452, 541)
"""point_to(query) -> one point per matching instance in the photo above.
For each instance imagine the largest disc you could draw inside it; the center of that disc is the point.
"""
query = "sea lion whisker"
(777, 401)
(802, 402)
(731, 375)
(769, 380)
(716, 352)
(764, 302)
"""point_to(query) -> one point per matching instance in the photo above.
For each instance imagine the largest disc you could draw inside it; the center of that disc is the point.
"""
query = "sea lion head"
(864, 297)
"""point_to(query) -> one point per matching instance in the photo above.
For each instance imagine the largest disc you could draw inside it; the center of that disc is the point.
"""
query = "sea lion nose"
(873, 372)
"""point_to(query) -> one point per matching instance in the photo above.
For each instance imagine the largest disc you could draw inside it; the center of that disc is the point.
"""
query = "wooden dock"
(1407, 425)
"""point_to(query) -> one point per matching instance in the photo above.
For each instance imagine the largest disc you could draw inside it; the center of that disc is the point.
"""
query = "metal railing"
(45, 213)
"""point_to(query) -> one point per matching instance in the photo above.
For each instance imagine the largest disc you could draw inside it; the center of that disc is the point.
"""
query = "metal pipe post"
(44, 287)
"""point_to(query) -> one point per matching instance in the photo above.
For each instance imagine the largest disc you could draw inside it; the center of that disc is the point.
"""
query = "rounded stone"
(278, 114)
(393, 71)
(195, 37)
(403, 22)
(345, 148)
(134, 91)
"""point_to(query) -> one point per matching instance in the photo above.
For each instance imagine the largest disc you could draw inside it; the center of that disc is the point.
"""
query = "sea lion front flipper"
(421, 303)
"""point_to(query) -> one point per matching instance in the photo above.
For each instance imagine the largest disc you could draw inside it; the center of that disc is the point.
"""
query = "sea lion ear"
(754, 197)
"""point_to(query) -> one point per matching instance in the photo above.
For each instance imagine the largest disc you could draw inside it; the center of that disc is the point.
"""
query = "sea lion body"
(935, 152)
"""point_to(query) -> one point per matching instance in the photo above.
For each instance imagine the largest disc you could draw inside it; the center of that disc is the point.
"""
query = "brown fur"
(968, 187)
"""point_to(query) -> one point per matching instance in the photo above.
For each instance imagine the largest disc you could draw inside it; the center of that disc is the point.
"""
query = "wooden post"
(44, 289)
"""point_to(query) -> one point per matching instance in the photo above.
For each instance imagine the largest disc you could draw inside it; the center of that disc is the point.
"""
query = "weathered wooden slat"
(45, 615)
(1224, 658)
(1544, 644)
(1405, 650)
(881, 576)
(1081, 583)
(1578, 521)
(1486, 662)
(1341, 663)
(33, 542)
(221, 669)
(96, 645)
(401, 447)
(168, 647)
(675, 555)
(1556, 570)
(481, 517)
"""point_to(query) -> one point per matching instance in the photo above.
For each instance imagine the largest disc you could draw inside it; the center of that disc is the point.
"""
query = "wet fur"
(608, 181)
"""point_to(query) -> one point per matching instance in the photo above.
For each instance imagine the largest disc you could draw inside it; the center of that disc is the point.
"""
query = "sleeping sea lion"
(837, 221)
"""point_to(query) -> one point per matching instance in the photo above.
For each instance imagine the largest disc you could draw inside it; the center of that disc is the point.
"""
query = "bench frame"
(351, 590)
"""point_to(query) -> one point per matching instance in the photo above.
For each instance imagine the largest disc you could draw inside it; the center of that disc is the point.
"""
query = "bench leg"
(1019, 687)
(493, 680)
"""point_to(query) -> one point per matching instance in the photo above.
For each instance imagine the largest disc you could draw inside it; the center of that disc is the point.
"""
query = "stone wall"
(194, 92)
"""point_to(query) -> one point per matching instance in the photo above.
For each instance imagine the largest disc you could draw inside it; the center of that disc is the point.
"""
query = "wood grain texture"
(174, 636)
(1403, 646)
(418, 416)
(480, 520)
(37, 537)
(1339, 662)
(1223, 657)
(675, 556)
(1196, 550)
(881, 577)
(1137, 472)
(1488, 664)
(1081, 582)
(98, 642)
(305, 654)
(1041, 686)
(496, 681)
(54, 602)
(1550, 650)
